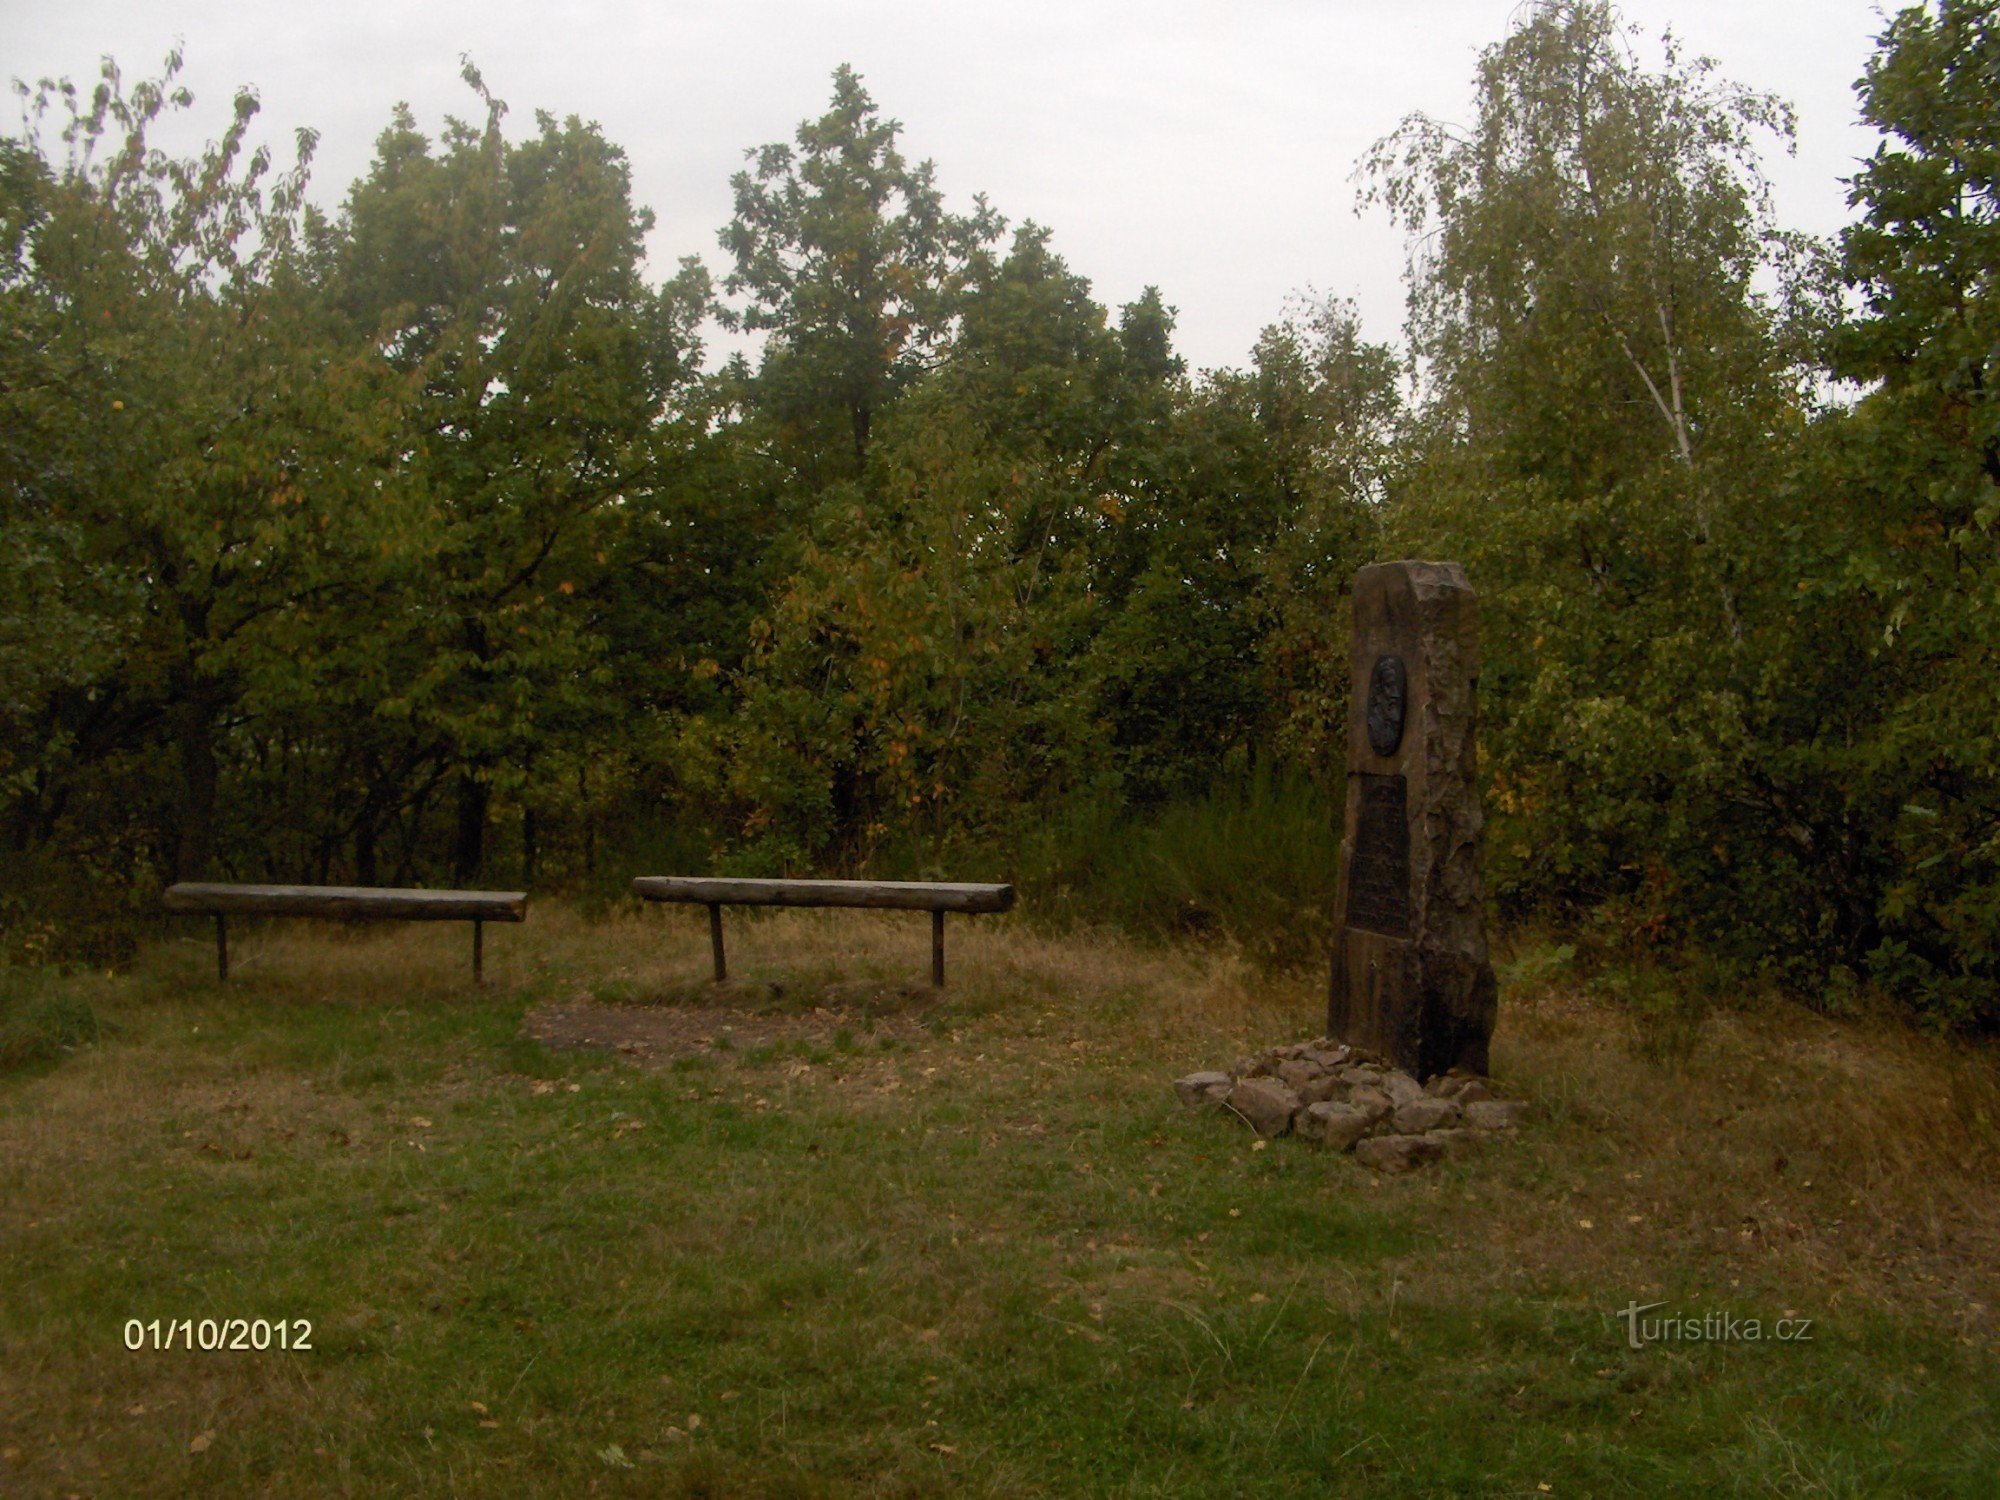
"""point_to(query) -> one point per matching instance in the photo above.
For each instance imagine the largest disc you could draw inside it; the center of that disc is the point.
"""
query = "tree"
(1223, 640)
(914, 685)
(191, 478)
(1610, 411)
(1919, 458)
(851, 263)
(503, 282)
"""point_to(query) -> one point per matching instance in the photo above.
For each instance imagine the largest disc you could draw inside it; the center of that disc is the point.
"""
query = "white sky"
(1204, 147)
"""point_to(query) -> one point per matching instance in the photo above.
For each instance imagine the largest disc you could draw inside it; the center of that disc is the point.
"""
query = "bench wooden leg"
(715, 940)
(937, 947)
(478, 951)
(221, 948)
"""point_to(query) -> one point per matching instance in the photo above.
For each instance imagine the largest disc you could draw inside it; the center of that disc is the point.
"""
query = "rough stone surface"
(1419, 1115)
(1402, 1088)
(1266, 1104)
(1340, 1098)
(1370, 1101)
(1334, 1126)
(1298, 1073)
(1411, 978)
(1397, 1153)
(1322, 1088)
(1495, 1114)
(1196, 1089)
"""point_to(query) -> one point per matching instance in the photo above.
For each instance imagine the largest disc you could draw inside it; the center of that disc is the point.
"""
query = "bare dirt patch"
(730, 1020)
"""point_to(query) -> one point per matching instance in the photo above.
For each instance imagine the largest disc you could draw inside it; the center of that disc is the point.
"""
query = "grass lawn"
(961, 1246)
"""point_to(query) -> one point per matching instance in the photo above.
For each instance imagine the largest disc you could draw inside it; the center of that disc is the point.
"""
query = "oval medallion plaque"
(1387, 690)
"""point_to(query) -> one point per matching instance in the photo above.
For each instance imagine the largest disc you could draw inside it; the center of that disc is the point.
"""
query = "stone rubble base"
(1346, 1099)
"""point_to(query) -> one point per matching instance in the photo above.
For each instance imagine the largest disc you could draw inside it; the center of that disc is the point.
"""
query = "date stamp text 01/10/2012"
(219, 1333)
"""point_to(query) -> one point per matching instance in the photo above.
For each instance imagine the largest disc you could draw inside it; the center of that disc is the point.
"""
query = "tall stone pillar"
(1411, 978)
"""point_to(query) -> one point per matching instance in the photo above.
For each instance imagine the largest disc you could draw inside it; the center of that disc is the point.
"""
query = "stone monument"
(1411, 979)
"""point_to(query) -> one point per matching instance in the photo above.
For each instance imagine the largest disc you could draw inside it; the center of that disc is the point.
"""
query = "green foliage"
(1611, 421)
(40, 1021)
(1252, 862)
(414, 543)
(1921, 454)
(852, 265)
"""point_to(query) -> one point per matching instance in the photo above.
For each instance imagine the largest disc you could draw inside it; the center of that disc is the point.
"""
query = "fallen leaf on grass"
(615, 1456)
(420, 1122)
(200, 1442)
(944, 1448)
(542, 1086)
(625, 1126)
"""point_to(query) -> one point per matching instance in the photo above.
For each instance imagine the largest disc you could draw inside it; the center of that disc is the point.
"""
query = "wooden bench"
(344, 903)
(934, 896)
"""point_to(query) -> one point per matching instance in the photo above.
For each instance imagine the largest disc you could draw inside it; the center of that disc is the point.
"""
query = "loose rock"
(1397, 1153)
(1341, 1098)
(1371, 1101)
(1495, 1114)
(1420, 1115)
(1266, 1104)
(1298, 1073)
(1322, 1088)
(1198, 1089)
(1334, 1126)
(1402, 1087)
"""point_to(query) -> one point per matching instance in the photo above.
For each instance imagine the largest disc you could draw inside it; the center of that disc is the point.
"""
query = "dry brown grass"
(1811, 1159)
(1820, 1161)
(1008, 1171)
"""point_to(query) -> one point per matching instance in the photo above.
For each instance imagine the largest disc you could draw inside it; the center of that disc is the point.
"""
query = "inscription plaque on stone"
(1411, 979)
(1378, 897)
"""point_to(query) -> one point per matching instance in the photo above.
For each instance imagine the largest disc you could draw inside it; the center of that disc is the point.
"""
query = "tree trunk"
(527, 846)
(194, 737)
(364, 849)
(474, 795)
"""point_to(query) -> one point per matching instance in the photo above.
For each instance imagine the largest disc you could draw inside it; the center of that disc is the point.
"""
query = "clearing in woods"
(604, 1228)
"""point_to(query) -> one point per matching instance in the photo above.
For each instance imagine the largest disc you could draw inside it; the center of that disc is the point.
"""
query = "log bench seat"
(934, 896)
(343, 903)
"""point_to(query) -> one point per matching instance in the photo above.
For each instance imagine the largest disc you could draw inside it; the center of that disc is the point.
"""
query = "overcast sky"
(1207, 148)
